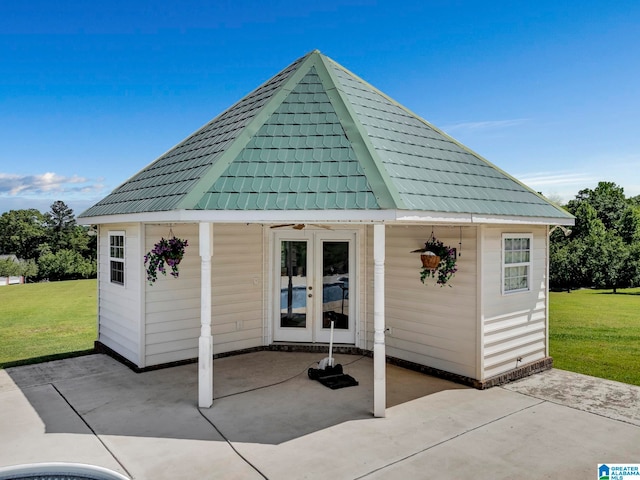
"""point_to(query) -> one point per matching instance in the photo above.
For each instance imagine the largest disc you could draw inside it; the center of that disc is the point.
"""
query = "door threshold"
(344, 348)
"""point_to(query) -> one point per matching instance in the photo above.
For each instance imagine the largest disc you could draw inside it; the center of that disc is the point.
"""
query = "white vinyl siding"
(173, 305)
(515, 325)
(119, 305)
(239, 272)
(428, 324)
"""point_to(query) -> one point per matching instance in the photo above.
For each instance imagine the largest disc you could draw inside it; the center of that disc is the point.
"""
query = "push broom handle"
(331, 346)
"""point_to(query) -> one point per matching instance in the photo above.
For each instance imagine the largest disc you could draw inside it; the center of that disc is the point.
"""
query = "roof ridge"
(380, 182)
(441, 132)
(218, 167)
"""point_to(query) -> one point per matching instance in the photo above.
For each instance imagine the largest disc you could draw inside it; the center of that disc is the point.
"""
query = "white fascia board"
(458, 218)
(319, 216)
(404, 216)
(247, 216)
(523, 220)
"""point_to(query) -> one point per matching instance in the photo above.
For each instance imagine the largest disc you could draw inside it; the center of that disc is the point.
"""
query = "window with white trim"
(516, 262)
(116, 257)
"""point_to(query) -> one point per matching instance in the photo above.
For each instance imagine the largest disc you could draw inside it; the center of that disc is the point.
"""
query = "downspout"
(547, 272)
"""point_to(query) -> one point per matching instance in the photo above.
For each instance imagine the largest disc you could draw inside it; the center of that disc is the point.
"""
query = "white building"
(301, 204)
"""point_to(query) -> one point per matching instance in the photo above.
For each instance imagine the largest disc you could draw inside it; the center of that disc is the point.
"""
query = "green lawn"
(597, 333)
(49, 320)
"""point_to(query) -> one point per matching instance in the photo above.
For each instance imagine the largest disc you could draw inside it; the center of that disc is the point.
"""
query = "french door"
(314, 286)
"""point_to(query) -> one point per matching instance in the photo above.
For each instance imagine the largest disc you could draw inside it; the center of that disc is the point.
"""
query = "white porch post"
(205, 344)
(379, 355)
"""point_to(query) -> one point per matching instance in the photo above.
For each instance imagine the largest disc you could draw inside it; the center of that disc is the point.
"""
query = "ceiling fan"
(300, 226)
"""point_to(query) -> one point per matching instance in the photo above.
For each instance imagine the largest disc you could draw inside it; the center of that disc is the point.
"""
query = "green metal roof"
(317, 137)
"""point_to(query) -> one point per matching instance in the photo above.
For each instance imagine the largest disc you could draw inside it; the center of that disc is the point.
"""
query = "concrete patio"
(269, 420)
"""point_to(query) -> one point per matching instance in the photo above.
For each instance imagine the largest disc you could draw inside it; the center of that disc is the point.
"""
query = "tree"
(65, 265)
(9, 268)
(16, 268)
(587, 222)
(634, 263)
(22, 232)
(608, 262)
(79, 240)
(68, 249)
(629, 225)
(61, 223)
(607, 199)
(603, 250)
(566, 267)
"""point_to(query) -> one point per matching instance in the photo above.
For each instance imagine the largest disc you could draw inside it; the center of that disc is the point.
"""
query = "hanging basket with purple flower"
(167, 253)
(438, 261)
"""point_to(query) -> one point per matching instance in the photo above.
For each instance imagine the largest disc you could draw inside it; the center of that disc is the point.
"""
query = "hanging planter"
(430, 260)
(166, 251)
(438, 261)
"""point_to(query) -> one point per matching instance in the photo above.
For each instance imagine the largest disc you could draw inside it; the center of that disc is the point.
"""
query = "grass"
(45, 321)
(592, 331)
(597, 333)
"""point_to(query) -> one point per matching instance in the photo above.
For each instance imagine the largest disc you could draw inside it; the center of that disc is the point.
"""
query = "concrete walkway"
(269, 420)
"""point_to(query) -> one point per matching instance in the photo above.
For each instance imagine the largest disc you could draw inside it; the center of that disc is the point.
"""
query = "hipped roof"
(316, 137)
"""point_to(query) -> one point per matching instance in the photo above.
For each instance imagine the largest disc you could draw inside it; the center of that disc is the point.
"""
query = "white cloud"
(562, 186)
(45, 184)
(619, 169)
(40, 191)
(545, 179)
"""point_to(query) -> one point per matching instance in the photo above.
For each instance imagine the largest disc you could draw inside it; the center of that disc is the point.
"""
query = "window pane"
(517, 257)
(116, 246)
(117, 272)
(516, 278)
(116, 255)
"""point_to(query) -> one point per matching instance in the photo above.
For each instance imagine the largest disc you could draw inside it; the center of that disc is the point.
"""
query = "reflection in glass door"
(293, 284)
(335, 284)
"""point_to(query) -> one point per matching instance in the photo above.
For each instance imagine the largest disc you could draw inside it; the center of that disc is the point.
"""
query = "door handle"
(310, 295)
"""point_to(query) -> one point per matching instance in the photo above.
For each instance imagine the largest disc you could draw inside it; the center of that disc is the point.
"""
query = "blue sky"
(92, 92)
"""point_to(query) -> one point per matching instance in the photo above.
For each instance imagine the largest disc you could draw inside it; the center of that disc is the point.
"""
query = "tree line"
(46, 246)
(602, 250)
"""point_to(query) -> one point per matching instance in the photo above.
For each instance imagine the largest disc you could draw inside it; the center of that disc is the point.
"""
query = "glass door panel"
(334, 267)
(293, 284)
(335, 285)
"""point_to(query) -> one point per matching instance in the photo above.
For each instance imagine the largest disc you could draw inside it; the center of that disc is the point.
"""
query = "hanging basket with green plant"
(167, 252)
(438, 261)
